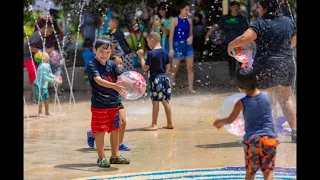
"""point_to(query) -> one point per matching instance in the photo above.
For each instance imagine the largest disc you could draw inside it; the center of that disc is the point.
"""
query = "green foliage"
(30, 17)
(27, 2)
(293, 5)
(95, 6)
(124, 8)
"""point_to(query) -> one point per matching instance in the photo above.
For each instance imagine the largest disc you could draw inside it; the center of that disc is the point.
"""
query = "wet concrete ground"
(55, 146)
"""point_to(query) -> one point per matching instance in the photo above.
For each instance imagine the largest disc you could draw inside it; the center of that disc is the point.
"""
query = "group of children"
(108, 114)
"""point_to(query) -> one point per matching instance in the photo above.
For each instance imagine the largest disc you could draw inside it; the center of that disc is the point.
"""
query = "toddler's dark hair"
(246, 79)
(115, 56)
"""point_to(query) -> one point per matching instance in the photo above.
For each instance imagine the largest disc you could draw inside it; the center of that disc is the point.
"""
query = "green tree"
(97, 7)
(293, 5)
(28, 15)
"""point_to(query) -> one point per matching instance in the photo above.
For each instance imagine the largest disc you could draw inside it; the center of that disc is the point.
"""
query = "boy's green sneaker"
(119, 160)
(103, 163)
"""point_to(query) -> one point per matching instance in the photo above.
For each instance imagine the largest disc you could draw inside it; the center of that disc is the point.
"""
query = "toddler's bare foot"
(193, 91)
(151, 128)
(48, 113)
(168, 127)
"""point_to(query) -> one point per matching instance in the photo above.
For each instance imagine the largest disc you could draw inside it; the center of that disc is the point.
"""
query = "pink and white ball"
(245, 54)
(133, 91)
(237, 126)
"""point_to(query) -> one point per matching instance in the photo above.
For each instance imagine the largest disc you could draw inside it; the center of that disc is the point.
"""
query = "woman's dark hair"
(102, 42)
(48, 24)
(180, 6)
(246, 79)
(166, 7)
(272, 7)
(183, 5)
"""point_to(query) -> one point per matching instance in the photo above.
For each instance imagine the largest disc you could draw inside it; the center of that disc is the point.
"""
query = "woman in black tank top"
(275, 35)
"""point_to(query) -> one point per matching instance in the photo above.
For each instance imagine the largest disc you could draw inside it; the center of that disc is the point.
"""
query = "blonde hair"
(155, 36)
(45, 57)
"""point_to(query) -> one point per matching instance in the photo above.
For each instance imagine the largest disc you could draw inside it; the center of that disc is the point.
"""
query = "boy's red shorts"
(105, 119)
